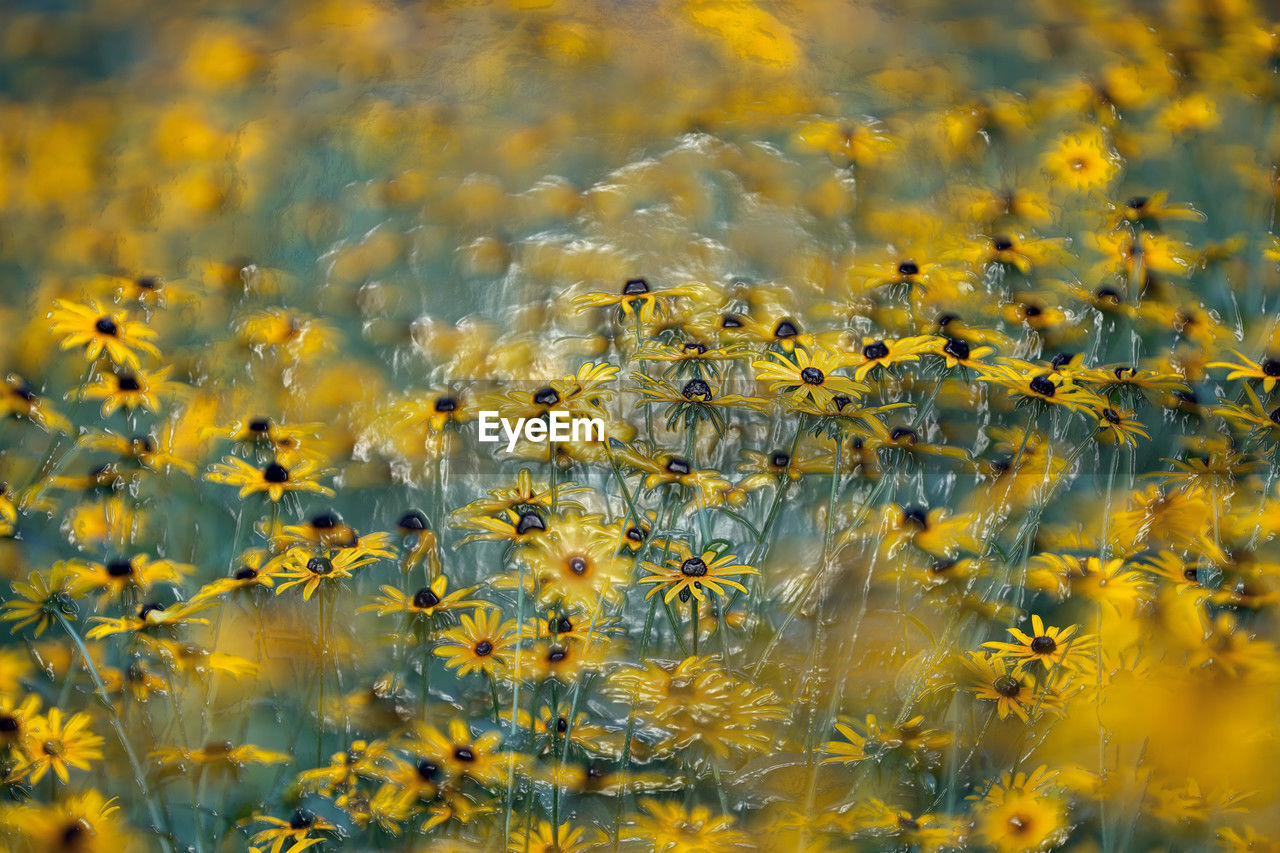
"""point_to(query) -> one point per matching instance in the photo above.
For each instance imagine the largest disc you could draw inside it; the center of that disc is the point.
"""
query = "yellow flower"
(1082, 162)
(41, 598)
(273, 479)
(100, 331)
(57, 742)
(686, 574)
(854, 142)
(1052, 647)
(671, 828)
(482, 643)
(808, 375)
(578, 562)
(301, 567)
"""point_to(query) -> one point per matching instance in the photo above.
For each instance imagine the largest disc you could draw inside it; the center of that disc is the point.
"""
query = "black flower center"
(915, 515)
(562, 725)
(560, 625)
(149, 607)
(1007, 686)
(578, 565)
(1002, 244)
(326, 521)
(414, 519)
(427, 770)
(1137, 202)
(956, 348)
(693, 567)
(812, 376)
(635, 287)
(678, 466)
(106, 326)
(275, 473)
(1191, 575)
(75, 832)
(1111, 416)
(780, 459)
(464, 753)
(245, 573)
(1271, 367)
(260, 425)
(875, 351)
(908, 268)
(696, 389)
(120, 568)
(731, 321)
(1032, 310)
(1043, 386)
(693, 346)
(319, 565)
(900, 433)
(556, 654)
(840, 401)
(547, 396)
(1043, 645)
(128, 382)
(529, 520)
(424, 598)
(149, 282)
(484, 648)
(8, 724)
(1061, 359)
(1108, 294)
(635, 534)
(786, 329)
(945, 320)
(302, 819)
(446, 404)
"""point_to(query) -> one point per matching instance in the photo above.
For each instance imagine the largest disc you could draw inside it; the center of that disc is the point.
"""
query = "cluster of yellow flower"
(939, 407)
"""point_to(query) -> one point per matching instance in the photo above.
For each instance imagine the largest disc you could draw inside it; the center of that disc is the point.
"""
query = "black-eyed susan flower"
(686, 573)
(100, 331)
(671, 827)
(19, 400)
(41, 599)
(273, 479)
(460, 753)
(302, 567)
(807, 375)
(578, 562)
(635, 298)
(1082, 162)
(424, 603)
(880, 353)
(130, 389)
(58, 742)
(1050, 646)
(545, 837)
(150, 618)
(993, 679)
(481, 643)
(1119, 427)
(1267, 371)
(296, 832)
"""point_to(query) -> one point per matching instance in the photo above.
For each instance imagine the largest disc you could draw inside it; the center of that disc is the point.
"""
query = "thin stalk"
(139, 776)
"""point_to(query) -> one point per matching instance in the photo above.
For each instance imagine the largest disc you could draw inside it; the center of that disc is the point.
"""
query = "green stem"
(139, 776)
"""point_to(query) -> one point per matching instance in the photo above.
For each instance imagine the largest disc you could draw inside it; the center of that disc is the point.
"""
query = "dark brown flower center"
(427, 770)
(1002, 244)
(424, 598)
(106, 326)
(1043, 386)
(1007, 686)
(694, 567)
(245, 573)
(780, 460)
(275, 473)
(529, 520)
(635, 287)
(445, 404)
(956, 348)
(546, 396)
(696, 389)
(812, 376)
(875, 351)
(578, 565)
(464, 753)
(1043, 645)
(786, 329)
(128, 382)
(1271, 367)
(1111, 416)
(556, 654)
(120, 568)
(678, 466)
(320, 565)
(484, 648)
(414, 519)
(908, 268)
